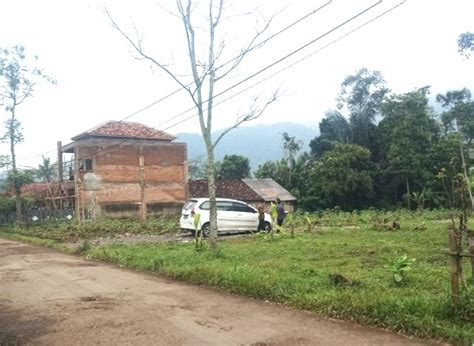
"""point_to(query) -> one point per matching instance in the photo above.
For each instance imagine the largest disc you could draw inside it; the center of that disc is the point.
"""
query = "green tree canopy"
(466, 44)
(46, 172)
(459, 113)
(333, 128)
(362, 94)
(407, 133)
(234, 167)
(343, 177)
(18, 76)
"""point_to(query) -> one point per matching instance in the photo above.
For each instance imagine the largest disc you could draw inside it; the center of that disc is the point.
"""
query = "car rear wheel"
(206, 230)
(268, 227)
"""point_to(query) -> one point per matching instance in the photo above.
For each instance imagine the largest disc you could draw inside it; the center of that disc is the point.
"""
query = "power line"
(258, 45)
(292, 64)
(287, 56)
(35, 156)
(280, 60)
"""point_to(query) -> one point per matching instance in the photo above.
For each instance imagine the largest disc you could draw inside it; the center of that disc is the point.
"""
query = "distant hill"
(258, 143)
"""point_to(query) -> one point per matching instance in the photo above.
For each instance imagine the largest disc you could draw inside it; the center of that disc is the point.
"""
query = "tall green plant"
(18, 78)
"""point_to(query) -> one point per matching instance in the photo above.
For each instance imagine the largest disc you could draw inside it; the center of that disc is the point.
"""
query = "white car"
(232, 215)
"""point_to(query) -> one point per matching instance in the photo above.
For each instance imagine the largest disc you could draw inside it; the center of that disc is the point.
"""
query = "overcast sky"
(99, 79)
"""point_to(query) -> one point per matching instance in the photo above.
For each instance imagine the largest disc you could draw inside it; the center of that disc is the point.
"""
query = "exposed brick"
(118, 173)
(173, 174)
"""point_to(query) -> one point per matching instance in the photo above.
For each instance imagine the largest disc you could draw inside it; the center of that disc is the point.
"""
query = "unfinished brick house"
(126, 169)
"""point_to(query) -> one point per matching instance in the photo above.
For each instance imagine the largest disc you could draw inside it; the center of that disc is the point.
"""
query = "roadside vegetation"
(386, 269)
(74, 231)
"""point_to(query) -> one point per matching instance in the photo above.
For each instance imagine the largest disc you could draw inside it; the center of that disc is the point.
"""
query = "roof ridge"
(125, 129)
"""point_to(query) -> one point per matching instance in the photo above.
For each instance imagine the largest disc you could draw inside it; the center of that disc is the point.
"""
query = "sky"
(100, 78)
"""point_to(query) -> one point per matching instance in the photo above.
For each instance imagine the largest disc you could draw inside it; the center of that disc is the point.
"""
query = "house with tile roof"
(252, 191)
(125, 169)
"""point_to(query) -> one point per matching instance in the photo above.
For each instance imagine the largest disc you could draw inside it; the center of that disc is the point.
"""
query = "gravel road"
(50, 298)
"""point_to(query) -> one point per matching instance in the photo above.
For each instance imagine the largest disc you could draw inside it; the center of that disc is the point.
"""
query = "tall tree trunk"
(211, 177)
(16, 183)
(408, 193)
(211, 181)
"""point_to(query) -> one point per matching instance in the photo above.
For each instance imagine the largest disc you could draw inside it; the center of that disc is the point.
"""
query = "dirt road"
(49, 298)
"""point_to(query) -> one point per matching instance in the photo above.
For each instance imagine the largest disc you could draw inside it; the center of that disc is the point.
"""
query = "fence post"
(470, 249)
(454, 265)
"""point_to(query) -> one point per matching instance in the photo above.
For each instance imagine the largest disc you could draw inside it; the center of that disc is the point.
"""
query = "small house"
(252, 191)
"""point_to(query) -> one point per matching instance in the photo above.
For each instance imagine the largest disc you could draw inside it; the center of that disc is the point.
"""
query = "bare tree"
(205, 75)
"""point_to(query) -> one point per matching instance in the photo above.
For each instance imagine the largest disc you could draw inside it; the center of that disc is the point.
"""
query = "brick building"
(126, 169)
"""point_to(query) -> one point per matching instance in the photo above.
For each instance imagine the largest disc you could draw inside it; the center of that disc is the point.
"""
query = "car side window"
(205, 206)
(242, 208)
(189, 205)
(225, 206)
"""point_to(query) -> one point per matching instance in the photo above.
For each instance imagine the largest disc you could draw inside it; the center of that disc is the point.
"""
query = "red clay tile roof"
(35, 189)
(235, 189)
(125, 129)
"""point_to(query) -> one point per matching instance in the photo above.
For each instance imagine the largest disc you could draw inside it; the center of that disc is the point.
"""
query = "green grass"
(73, 231)
(295, 270)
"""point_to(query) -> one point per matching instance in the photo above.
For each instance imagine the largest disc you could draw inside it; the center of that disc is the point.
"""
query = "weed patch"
(73, 231)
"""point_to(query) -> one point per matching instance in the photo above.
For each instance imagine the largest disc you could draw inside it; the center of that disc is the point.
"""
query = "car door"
(225, 216)
(246, 217)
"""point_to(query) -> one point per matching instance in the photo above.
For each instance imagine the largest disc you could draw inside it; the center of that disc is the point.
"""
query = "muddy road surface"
(49, 298)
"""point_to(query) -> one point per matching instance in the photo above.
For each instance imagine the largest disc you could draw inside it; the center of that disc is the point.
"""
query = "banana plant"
(197, 231)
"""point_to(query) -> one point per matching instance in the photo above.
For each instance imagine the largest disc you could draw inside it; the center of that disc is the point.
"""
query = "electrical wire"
(163, 98)
(267, 67)
(292, 64)
(273, 64)
(258, 45)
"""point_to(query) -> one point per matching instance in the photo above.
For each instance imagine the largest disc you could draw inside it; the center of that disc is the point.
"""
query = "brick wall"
(133, 179)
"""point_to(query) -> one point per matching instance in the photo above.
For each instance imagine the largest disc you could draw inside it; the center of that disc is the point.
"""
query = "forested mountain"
(259, 143)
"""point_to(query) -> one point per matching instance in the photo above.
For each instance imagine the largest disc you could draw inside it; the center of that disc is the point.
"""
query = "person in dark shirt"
(280, 212)
(261, 218)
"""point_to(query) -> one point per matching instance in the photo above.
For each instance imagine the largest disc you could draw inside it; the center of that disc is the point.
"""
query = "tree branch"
(138, 48)
(198, 81)
(26, 93)
(251, 115)
(243, 53)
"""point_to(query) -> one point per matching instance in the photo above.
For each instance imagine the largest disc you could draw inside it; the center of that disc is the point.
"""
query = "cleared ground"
(48, 297)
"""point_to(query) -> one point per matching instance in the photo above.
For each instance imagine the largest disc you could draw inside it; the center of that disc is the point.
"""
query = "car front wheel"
(268, 227)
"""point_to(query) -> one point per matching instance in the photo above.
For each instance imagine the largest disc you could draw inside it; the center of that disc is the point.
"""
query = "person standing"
(280, 212)
(273, 211)
(261, 218)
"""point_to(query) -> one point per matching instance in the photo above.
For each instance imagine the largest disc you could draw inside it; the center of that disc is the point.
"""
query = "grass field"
(335, 264)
